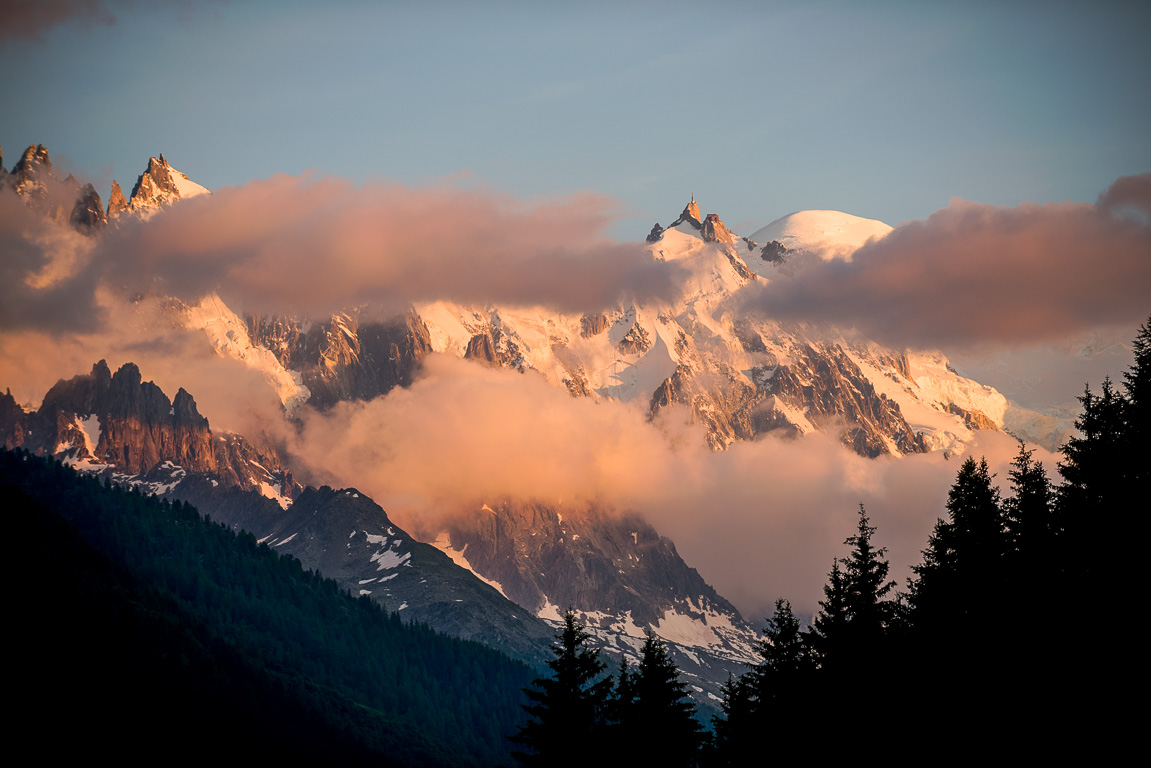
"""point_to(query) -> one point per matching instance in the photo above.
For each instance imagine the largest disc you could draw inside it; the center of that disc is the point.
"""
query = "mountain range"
(504, 568)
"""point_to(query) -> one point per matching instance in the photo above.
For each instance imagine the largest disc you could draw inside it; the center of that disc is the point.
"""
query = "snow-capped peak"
(826, 234)
(161, 185)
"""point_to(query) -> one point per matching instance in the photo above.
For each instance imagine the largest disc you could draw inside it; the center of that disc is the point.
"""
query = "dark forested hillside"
(145, 630)
(1014, 635)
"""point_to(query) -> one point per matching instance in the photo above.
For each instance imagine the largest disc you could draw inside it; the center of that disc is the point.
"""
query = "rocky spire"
(714, 231)
(154, 186)
(88, 213)
(30, 174)
(117, 203)
(690, 215)
(161, 185)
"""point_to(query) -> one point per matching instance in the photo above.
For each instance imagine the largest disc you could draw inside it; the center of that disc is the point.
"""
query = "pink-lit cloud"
(45, 281)
(974, 274)
(316, 245)
(21, 20)
(759, 521)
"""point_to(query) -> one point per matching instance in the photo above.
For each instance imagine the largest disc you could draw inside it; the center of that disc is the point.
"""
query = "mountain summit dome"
(827, 234)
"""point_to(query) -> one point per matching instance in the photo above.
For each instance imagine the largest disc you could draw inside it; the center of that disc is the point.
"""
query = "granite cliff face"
(497, 582)
(139, 428)
(549, 557)
(713, 230)
(128, 428)
(342, 358)
(620, 577)
(820, 387)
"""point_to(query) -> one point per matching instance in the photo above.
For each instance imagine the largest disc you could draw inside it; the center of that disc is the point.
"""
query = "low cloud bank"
(973, 274)
(759, 521)
(318, 245)
(313, 246)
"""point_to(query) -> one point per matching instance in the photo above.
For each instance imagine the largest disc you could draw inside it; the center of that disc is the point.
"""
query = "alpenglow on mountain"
(508, 561)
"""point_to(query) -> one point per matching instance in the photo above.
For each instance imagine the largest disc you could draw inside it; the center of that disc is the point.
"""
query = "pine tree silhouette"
(567, 709)
(663, 724)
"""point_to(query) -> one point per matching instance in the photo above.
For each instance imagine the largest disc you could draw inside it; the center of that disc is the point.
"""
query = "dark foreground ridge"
(151, 628)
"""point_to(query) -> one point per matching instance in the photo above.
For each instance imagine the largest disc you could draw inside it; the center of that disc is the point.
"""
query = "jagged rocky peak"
(184, 410)
(593, 325)
(481, 348)
(345, 358)
(775, 252)
(31, 173)
(613, 568)
(84, 394)
(154, 186)
(33, 179)
(161, 185)
(117, 203)
(118, 423)
(691, 209)
(655, 234)
(34, 159)
(140, 428)
(690, 215)
(88, 214)
(714, 231)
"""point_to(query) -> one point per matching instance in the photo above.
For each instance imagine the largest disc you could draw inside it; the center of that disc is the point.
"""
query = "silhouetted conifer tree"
(1137, 381)
(735, 732)
(662, 723)
(856, 613)
(1028, 514)
(830, 626)
(621, 710)
(962, 568)
(567, 709)
(868, 585)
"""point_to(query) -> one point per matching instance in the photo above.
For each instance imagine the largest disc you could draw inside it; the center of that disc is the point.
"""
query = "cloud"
(31, 19)
(1129, 194)
(317, 245)
(44, 277)
(759, 521)
(974, 274)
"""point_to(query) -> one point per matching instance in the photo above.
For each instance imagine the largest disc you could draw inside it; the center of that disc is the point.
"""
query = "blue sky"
(885, 110)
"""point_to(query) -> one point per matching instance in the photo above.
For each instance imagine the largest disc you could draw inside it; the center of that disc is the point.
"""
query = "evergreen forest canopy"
(163, 628)
(152, 629)
(1002, 641)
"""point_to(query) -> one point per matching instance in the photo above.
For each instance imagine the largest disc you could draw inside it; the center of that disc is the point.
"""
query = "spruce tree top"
(569, 707)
